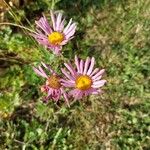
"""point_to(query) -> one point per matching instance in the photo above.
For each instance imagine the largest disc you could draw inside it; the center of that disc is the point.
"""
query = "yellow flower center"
(53, 82)
(83, 82)
(55, 38)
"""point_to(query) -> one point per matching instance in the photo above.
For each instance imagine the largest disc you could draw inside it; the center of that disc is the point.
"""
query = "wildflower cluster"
(77, 80)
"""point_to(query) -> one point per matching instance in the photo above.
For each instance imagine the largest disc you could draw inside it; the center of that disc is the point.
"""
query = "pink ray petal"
(53, 20)
(42, 71)
(70, 34)
(77, 63)
(66, 28)
(48, 67)
(98, 91)
(67, 81)
(99, 84)
(98, 78)
(58, 21)
(72, 27)
(86, 65)
(98, 74)
(62, 25)
(57, 49)
(81, 66)
(95, 71)
(40, 24)
(47, 26)
(70, 68)
(64, 42)
(38, 72)
(91, 66)
(68, 84)
(67, 75)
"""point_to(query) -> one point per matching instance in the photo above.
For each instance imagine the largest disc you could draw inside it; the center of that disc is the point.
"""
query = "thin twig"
(16, 25)
(19, 142)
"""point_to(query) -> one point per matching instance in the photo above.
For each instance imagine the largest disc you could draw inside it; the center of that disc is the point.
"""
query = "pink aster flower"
(84, 79)
(52, 86)
(55, 36)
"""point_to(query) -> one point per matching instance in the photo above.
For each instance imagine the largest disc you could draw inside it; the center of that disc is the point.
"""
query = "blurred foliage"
(116, 33)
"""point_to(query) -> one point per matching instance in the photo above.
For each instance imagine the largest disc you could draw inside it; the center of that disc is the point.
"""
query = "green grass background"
(117, 34)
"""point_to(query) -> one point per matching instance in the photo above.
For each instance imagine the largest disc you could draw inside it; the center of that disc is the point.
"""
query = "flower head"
(55, 36)
(52, 86)
(84, 78)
